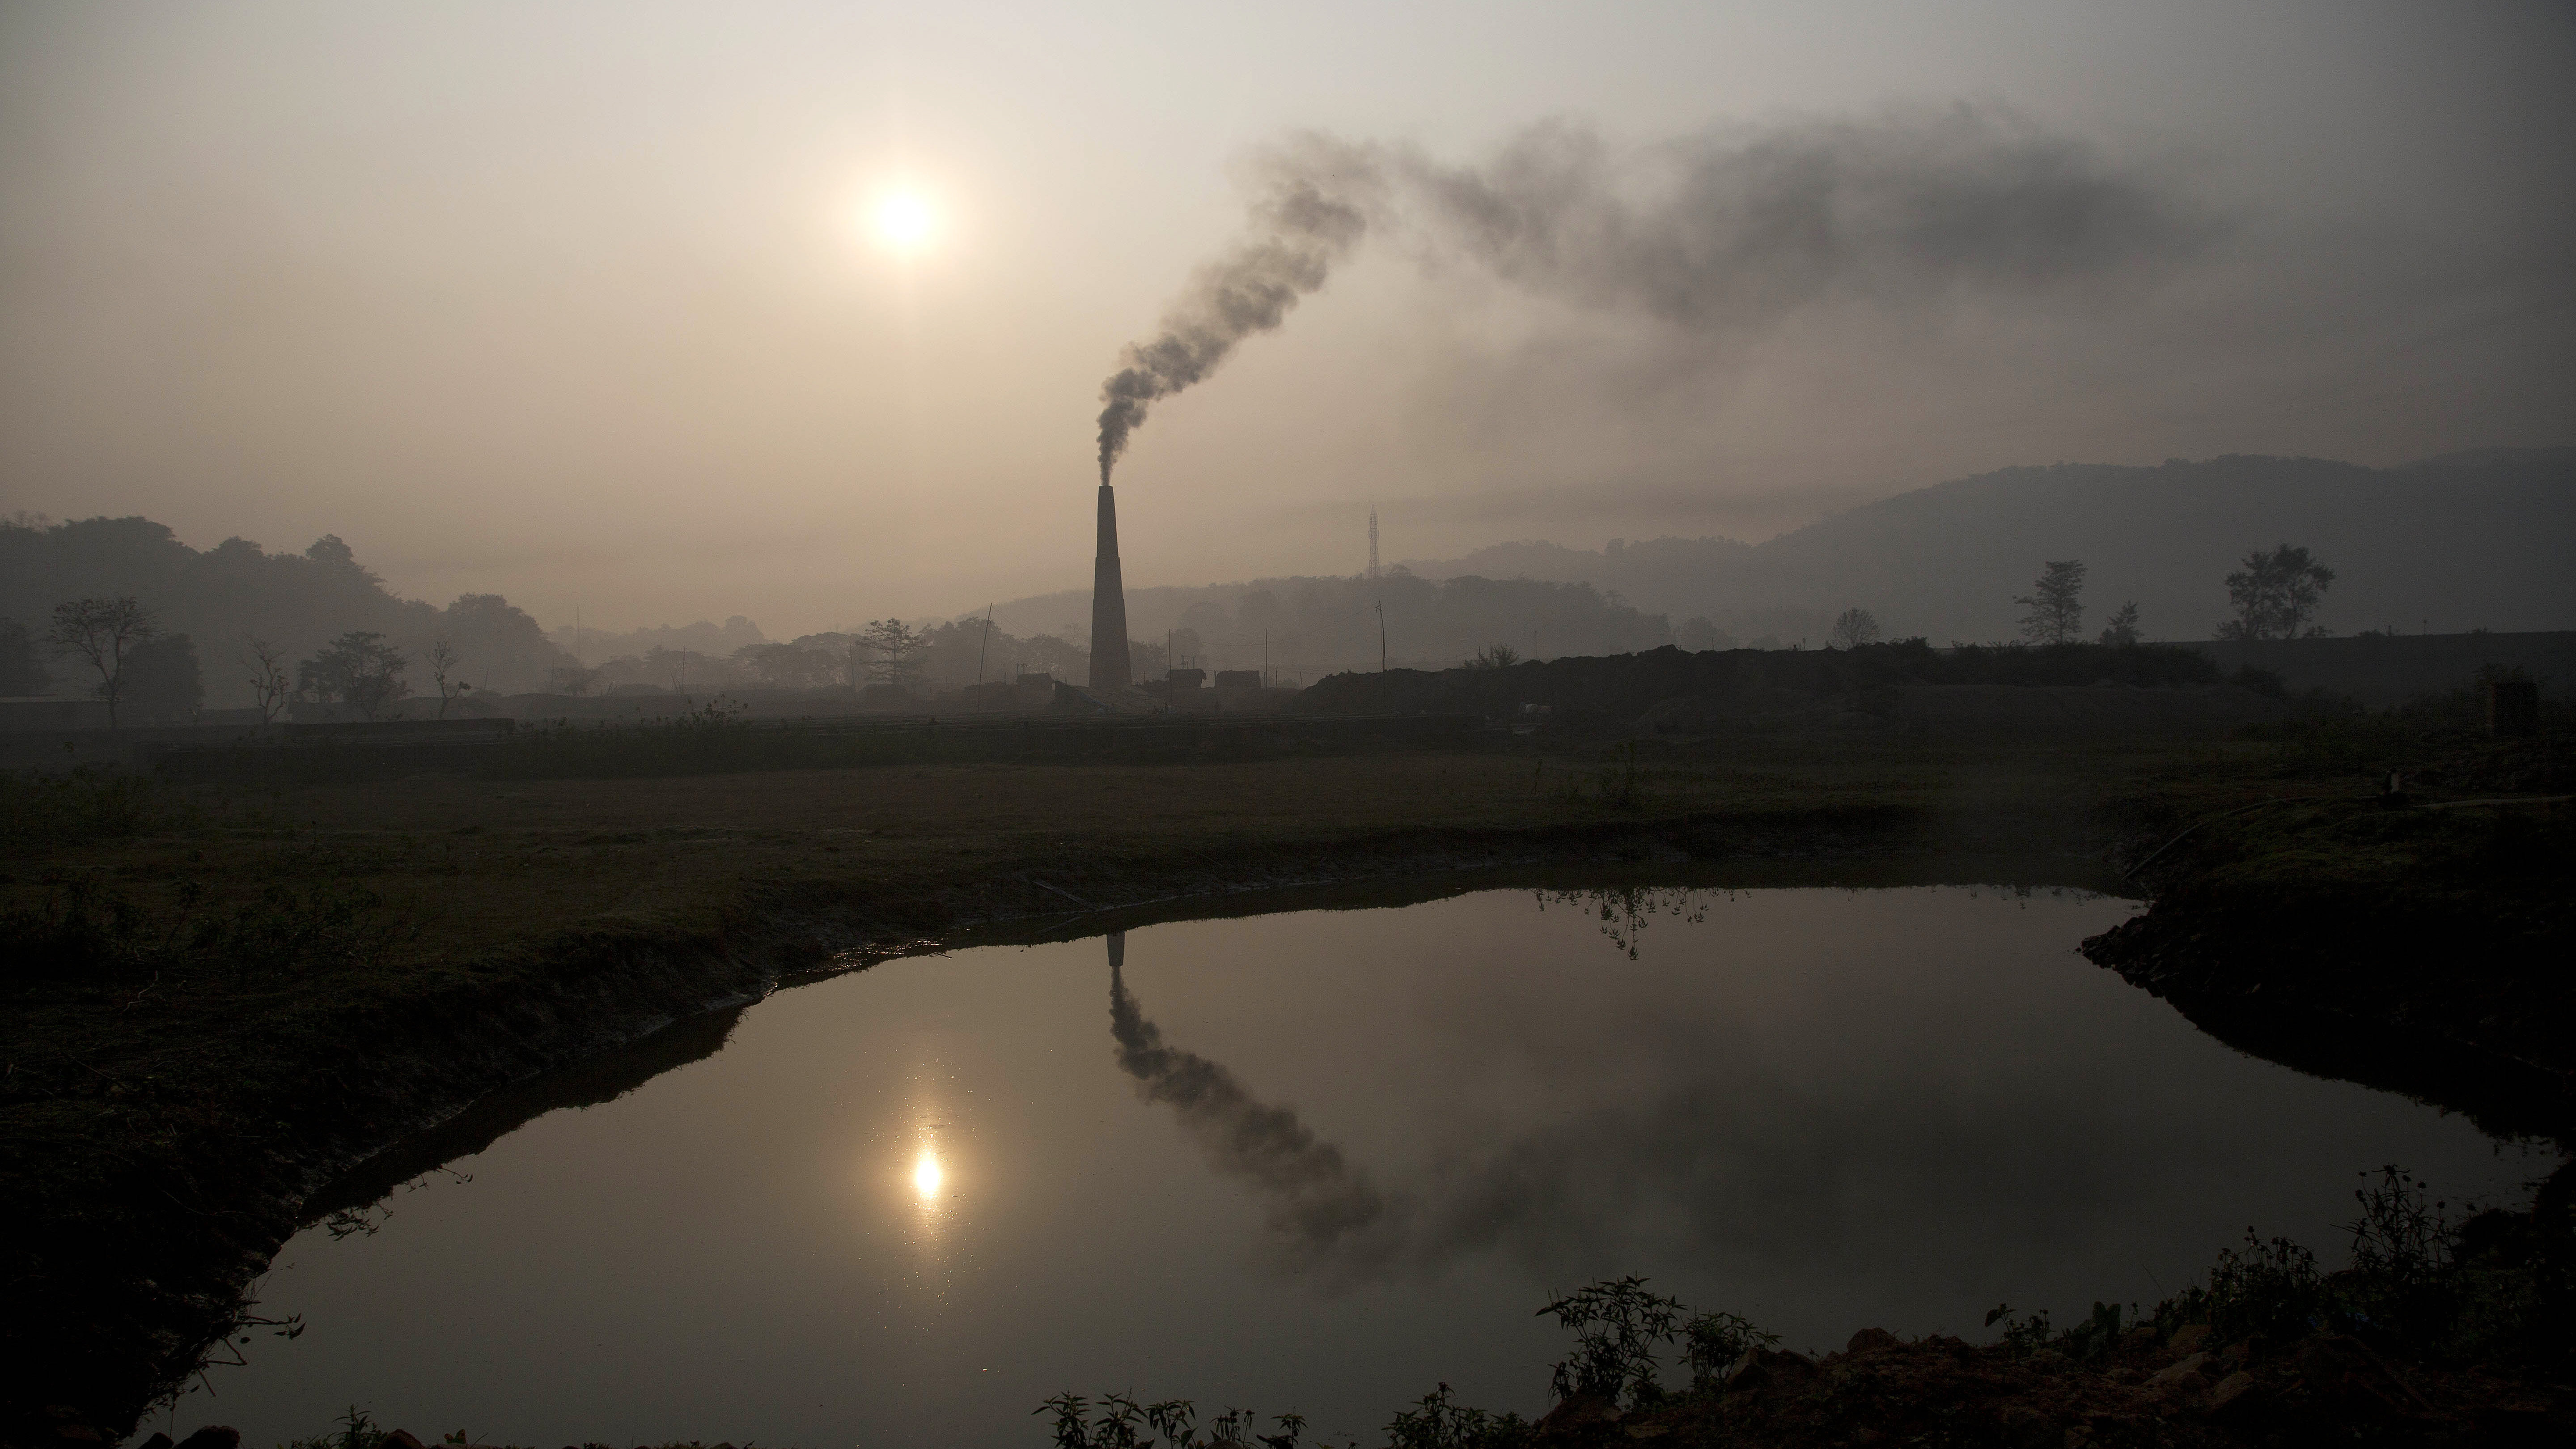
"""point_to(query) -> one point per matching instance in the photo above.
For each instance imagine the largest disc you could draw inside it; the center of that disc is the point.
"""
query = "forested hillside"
(2458, 543)
(2474, 540)
(225, 596)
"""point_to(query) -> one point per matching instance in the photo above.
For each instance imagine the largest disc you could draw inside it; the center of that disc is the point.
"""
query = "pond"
(1323, 1159)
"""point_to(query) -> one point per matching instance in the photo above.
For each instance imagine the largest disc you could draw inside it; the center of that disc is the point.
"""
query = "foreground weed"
(1714, 1342)
(83, 935)
(1616, 1326)
(1438, 1422)
(357, 1431)
(86, 804)
(1172, 1422)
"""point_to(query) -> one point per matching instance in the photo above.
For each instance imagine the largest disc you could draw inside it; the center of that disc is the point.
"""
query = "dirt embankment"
(2413, 939)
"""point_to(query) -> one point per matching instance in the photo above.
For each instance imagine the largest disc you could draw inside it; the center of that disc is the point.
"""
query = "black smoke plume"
(1307, 217)
(1726, 230)
(1325, 1211)
(1735, 229)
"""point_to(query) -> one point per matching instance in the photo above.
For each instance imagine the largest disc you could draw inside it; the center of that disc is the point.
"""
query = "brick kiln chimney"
(1108, 604)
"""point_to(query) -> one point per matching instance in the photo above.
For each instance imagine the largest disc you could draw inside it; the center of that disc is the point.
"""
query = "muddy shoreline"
(2382, 940)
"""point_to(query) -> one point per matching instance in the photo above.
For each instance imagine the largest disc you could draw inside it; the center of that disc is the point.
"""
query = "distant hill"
(2469, 540)
(224, 596)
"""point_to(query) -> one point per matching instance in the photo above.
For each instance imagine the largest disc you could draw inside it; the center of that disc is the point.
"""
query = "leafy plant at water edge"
(2411, 1282)
(1172, 1419)
(1115, 1426)
(1438, 1422)
(2402, 1257)
(357, 1431)
(2021, 1335)
(1616, 1323)
(1714, 1342)
(1071, 1432)
(1616, 1326)
(2095, 1337)
(2269, 1288)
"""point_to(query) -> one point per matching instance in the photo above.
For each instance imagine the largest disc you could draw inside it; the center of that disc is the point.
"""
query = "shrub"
(1616, 1324)
(79, 934)
(89, 803)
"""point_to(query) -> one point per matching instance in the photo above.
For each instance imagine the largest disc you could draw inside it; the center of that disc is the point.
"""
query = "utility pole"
(980, 646)
(1380, 606)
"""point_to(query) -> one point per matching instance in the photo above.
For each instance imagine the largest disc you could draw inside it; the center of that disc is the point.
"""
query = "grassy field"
(476, 864)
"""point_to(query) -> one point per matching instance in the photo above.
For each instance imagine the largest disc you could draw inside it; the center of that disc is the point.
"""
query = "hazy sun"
(926, 1176)
(904, 221)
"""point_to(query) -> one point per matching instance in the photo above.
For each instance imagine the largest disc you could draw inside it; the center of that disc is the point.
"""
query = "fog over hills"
(2468, 540)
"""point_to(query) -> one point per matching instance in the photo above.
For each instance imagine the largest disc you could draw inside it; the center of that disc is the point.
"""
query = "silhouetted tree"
(1052, 654)
(688, 670)
(2123, 629)
(2275, 595)
(1499, 656)
(358, 669)
(897, 647)
(2053, 610)
(788, 666)
(296, 599)
(266, 668)
(950, 652)
(1699, 634)
(163, 684)
(509, 649)
(102, 632)
(570, 679)
(443, 660)
(331, 553)
(1854, 628)
(21, 670)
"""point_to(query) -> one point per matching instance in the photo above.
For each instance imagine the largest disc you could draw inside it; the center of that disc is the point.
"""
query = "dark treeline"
(1625, 687)
(209, 606)
(220, 599)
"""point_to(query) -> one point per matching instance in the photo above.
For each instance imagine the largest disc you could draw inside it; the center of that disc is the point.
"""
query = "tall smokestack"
(1108, 603)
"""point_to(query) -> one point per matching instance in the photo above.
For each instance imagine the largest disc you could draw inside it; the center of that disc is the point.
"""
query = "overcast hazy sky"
(580, 302)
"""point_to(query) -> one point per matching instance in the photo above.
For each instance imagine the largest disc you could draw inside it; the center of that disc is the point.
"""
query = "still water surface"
(1323, 1160)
